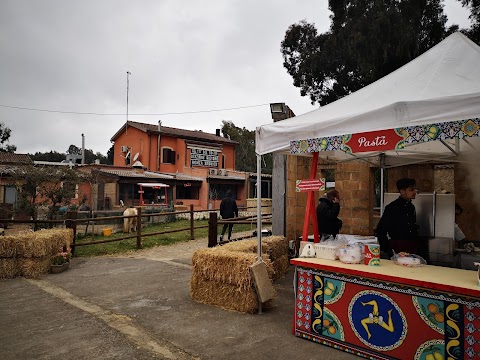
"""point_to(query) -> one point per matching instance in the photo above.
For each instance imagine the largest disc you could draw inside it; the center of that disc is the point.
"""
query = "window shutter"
(173, 156)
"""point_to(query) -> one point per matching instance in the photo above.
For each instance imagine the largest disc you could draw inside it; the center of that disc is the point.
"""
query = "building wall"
(467, 195)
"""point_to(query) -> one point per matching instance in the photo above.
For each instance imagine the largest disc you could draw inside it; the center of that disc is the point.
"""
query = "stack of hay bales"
(276, 247)
(221, 275)
(29, 253)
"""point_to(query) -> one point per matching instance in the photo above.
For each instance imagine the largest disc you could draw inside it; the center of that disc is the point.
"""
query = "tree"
(90, 156)
(4, 137)
(367, 40)
(245, 158)
(110, 155)
(474, 32)
(52, 156)
(50, 186)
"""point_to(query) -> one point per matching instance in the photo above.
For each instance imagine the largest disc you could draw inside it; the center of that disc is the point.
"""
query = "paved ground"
(138, 307)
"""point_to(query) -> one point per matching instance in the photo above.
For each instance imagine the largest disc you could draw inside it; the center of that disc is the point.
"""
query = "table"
(388, 311)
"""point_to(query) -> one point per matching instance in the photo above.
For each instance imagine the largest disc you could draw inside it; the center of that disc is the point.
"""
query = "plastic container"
(328, 252)
(350, 254)
(107, 232)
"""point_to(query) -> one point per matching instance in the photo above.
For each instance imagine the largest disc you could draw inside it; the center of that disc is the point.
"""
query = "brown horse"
(129, 223)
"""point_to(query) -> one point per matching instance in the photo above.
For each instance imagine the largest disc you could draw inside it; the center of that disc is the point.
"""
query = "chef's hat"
(308, 251)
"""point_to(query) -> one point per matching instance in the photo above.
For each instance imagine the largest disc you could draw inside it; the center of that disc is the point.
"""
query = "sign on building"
(203, 157)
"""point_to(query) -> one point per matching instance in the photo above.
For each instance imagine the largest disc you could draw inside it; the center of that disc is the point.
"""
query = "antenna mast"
(128, 85)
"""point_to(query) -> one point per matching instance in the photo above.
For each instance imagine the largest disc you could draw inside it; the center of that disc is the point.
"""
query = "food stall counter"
(388, 311)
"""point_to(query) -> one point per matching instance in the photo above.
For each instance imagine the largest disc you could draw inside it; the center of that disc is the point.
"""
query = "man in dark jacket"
(398, 229)
(228, 210)
(327, 214)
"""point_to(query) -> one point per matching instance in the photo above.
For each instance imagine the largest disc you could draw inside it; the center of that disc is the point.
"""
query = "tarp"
(440, 86)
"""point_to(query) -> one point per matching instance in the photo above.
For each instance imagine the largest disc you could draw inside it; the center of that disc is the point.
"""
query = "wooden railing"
(72, 221)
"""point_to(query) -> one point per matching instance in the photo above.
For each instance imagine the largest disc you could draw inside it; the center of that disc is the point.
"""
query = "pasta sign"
(374, 141)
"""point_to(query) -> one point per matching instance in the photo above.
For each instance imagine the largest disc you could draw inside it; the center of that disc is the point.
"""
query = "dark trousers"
(230, 227)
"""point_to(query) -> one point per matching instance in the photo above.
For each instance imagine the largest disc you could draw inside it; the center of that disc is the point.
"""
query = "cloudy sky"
(189, 56)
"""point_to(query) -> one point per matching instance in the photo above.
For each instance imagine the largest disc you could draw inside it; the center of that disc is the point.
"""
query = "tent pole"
(259, 218)
(259, 207)
(382, 168)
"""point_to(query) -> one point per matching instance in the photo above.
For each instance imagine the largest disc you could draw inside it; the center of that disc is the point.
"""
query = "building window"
(185, 192)
(219, 191)
(224, 161)
(70, 188)
(168, 156)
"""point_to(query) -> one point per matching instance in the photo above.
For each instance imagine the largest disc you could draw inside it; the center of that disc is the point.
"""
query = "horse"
(128, 223)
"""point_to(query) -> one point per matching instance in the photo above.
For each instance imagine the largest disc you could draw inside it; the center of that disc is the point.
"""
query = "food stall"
(428, 111)
(388, 311)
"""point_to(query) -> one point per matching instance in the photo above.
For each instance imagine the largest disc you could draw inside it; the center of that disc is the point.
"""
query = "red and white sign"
(381, 140)
(310, 185)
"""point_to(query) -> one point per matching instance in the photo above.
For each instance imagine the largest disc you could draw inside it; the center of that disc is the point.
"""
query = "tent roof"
(442, 84)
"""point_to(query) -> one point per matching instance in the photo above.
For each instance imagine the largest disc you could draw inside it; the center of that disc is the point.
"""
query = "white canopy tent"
(432, 104)
(440, 86)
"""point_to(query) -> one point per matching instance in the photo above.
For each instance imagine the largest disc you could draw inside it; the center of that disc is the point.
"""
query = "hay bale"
(276, 246)
(226, 296)
(8, 268)
(8, 246)
(228, 267)
(280, 266)
(34, 267)
(42, 243)
(246, 246)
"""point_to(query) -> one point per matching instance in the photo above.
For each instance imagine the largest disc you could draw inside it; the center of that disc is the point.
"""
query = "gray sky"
(184, 56)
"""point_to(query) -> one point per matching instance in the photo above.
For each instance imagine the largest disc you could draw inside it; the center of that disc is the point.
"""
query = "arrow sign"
(310, 185)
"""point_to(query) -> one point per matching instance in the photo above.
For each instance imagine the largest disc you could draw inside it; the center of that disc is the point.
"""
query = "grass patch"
(123, 246)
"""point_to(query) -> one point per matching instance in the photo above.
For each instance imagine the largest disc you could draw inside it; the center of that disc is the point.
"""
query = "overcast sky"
(184, 56)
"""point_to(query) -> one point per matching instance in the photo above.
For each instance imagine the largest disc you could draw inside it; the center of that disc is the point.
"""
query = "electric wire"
(139, 114)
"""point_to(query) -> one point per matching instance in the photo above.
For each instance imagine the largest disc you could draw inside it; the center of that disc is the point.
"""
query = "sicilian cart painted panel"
(381, 320)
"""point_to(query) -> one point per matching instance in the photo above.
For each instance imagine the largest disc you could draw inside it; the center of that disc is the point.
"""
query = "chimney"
(217, 132)
(83, 149)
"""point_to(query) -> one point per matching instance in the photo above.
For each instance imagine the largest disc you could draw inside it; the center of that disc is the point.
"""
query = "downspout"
(83, 149)
(158, 144)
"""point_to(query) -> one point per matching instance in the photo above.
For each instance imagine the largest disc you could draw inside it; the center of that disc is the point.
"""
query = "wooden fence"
(71, 221)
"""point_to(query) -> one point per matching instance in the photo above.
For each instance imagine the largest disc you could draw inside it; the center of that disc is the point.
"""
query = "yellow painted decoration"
(452, 343)
(437, 355)
(429, 357)
(450, 308)
(453, 325)
(318, 293)
(315, 323)
(328, 292)
(319, 279)
(330, 286)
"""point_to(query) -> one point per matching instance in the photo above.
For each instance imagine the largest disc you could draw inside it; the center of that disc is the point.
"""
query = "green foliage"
(52, 156)
(51, 186)
(4, 137)
(367, 40)
(245, 158)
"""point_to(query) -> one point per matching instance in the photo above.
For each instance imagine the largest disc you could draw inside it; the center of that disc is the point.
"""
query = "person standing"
(327, 214)
(398, 229)
(228, 210)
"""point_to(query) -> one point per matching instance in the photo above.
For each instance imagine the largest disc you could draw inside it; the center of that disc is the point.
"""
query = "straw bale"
(42, 243)
(8, 246)
(229, 267)
(8, 268)
(34, 267)
(276, 246)
(280, 266)
(226, 296)
(247, 246)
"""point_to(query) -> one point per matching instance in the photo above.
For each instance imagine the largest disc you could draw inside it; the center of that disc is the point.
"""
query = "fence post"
(139, 228)
(71, 223)
(212, 229)
(192, 233)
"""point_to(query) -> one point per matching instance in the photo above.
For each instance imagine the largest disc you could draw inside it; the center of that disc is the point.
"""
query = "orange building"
(198, 166)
